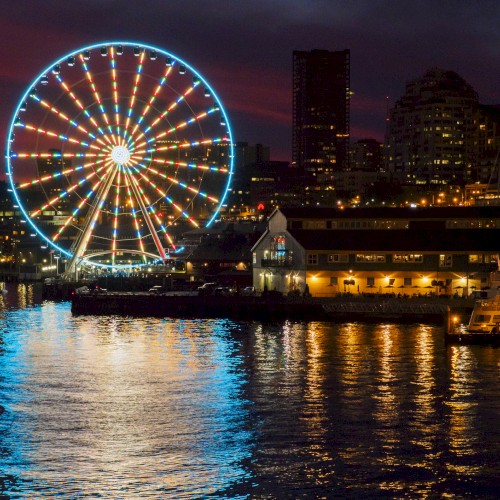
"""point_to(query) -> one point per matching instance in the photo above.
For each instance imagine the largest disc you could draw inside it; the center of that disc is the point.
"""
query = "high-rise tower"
(321, 91)
(431, 127)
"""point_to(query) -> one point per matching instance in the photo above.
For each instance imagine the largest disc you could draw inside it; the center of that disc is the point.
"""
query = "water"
(117, 407)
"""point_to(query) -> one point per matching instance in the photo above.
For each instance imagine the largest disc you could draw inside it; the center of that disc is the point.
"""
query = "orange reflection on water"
(355, 379)
(404, 400)
(316, 417)
(462, 407)
(20, 295)
(426, 420)
(386, 410)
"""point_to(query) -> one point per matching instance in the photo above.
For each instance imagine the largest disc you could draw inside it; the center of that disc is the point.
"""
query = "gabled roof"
(257, 243)
(391, 213)
(421, 240)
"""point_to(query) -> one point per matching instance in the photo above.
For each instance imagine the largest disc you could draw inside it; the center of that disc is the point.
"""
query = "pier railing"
(386, 307)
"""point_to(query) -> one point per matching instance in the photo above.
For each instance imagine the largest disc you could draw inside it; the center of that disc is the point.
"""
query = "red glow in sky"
(245, 49)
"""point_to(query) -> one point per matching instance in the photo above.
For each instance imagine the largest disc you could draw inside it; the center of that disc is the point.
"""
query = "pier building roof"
(450, 240)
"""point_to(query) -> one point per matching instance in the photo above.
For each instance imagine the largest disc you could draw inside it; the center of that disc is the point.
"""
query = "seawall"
(269, 307)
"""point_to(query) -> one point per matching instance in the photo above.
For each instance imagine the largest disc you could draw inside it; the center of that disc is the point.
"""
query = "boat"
(484, 323)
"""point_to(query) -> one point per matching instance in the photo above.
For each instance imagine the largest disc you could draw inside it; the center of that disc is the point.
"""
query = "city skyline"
(246, 50)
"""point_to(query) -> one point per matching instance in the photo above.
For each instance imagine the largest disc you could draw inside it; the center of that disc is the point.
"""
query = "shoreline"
(273, 307)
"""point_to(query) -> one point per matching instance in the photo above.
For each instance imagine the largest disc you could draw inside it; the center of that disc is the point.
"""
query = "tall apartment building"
(485, 149)
(321, 92)
(367, 155)
(430, 131)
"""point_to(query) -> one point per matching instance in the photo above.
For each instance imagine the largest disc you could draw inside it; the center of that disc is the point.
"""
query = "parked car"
(248, 290)
(207, 288)
(156, 289)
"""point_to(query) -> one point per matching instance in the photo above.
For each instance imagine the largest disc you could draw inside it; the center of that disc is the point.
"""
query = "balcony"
(283, 263)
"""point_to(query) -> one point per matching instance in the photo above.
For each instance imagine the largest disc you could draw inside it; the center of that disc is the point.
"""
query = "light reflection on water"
(144, 407)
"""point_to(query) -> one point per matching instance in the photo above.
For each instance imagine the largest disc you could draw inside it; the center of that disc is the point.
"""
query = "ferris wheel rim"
(108, 43)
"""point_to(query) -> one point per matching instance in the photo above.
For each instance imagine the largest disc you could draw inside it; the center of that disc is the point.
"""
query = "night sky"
(244, 49)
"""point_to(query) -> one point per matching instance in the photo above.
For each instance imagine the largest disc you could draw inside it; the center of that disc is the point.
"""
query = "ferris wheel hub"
(120, 155)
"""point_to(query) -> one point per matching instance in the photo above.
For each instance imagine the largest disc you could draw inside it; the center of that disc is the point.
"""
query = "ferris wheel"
(115, 150)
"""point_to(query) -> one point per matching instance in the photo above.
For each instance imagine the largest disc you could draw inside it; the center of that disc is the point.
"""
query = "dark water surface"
(117, 407)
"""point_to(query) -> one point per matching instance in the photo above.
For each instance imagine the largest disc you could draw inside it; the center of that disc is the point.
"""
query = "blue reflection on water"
(120, 406)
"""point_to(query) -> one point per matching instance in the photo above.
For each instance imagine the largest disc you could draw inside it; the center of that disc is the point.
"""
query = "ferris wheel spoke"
(167, 198)
(172, 106)
(55, 175)
(114, 83)
(95, 92)
(63, 116)
(66, 192)
(184, 145)
(151, 208)
(77, 102)
(76, 211)
(181, 184)
(144, 206)
(133, 213)
(193, 144)
(194, 166)
(54, 155)
(193, 120)
(55, 135)
(133, 97)
(147, 107)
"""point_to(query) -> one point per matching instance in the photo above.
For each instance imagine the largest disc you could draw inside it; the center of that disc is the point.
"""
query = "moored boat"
(484, 323)
(485, 317)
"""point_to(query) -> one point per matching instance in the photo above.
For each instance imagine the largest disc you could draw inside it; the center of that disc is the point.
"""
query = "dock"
(195, 306)
(268, 307)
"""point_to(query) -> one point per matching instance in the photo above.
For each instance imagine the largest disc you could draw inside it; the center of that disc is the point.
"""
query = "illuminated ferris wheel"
(115, 150)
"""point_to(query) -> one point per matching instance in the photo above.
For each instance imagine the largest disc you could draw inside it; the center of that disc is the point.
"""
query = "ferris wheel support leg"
(82, 241)
(147, 218)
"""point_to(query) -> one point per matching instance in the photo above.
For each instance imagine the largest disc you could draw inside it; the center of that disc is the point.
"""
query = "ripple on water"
(120, 406)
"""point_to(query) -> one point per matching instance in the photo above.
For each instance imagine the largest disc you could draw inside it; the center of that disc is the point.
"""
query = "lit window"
(370, 258)
(407, 258)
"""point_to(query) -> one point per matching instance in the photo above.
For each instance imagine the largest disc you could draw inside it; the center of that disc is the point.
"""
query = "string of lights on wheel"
(114, 150)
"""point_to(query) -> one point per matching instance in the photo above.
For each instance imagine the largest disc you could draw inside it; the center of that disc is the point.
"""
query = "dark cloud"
(244, 48)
